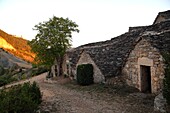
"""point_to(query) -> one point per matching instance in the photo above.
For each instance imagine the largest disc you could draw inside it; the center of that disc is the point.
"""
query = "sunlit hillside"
(21, 48)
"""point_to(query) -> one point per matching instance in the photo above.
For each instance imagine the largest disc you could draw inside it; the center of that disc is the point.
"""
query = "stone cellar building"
(135, 56)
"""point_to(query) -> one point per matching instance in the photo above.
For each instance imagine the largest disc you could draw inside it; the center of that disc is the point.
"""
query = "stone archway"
(146, 73)
(86, 59)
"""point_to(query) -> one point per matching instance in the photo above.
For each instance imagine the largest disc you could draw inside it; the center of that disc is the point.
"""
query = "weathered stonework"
(144, 54)
(162, 16)
(67, 69)
(134, 57)
(86, 59)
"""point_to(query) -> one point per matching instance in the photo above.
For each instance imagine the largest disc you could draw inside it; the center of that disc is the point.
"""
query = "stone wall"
(159, 19)
(86, 59)
(126, 54)
(144, 54)
(67, 69)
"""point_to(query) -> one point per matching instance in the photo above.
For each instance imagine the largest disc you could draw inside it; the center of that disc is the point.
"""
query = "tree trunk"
(60, 66)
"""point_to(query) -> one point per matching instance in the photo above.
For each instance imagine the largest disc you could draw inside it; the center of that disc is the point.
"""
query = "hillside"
(9, 61)
(16, 46)
(5, 44)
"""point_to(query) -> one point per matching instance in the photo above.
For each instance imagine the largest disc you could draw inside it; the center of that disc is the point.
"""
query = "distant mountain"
(16, 46)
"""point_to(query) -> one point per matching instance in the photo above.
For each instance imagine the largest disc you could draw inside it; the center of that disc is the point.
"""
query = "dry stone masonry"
(135, 56)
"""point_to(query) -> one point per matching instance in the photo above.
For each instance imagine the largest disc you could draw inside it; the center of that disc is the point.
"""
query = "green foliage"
(85, 74)
(9, 76)
(39, 70)
(6, 79)
(2, 70)
(166, 81)
(20, 99)
(52, 40)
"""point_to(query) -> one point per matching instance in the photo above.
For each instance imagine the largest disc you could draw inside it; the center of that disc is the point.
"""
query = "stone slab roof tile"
(164, 14)
(160, 41)
(110, 59)
(110, 56)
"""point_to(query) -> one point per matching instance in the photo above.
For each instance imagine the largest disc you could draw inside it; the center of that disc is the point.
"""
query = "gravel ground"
(62, 96)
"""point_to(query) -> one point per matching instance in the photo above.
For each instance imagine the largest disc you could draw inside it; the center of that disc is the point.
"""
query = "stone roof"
(111, 55)
(74, 56)
(110, 58)
(161, 41)
(165, 15)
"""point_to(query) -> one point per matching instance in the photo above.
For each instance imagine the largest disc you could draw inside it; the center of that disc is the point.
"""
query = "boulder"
(160, 103)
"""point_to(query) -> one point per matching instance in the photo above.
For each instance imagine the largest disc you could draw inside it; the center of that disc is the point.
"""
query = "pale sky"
(98, 20)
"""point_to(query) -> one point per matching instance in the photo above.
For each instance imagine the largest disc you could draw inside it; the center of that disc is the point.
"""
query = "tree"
(54, 37)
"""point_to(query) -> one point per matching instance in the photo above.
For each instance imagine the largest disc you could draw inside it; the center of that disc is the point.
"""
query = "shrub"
(20, 99)
(6, 79)
(2, 70)
(39, 70)
(166, 81)
(85, 74)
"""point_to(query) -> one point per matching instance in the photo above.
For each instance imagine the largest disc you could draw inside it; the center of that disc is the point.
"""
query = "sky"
(98, 20)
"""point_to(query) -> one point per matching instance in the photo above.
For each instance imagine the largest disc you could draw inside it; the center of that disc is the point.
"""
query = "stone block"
(155, 79)
(160, 103)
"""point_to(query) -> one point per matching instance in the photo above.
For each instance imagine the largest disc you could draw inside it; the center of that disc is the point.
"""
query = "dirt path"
(63, 100)
(58, 98)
